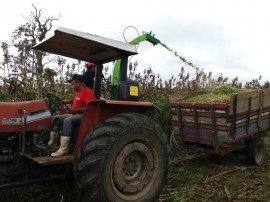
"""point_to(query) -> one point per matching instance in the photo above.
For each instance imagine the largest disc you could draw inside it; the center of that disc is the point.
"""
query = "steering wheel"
(55, 102)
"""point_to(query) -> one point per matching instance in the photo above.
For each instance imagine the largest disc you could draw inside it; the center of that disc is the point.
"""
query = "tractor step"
(49, 160)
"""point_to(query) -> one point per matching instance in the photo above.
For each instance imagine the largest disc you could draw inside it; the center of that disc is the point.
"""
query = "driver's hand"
(67, 101)
(71, 111)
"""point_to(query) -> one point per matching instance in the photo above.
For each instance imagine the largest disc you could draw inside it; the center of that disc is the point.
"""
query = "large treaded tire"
(125, 158)
(255, 152)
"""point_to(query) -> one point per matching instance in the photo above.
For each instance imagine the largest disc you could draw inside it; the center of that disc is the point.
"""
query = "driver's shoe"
(63, 150)
(54, 136)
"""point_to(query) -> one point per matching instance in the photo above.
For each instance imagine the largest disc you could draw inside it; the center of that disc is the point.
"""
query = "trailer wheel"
(255, 152)
(125, 158)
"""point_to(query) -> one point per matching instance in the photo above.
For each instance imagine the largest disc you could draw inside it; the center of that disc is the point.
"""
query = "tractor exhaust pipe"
(23, 133)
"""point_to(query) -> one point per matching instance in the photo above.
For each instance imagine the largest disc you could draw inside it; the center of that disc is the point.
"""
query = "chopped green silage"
(220, 94)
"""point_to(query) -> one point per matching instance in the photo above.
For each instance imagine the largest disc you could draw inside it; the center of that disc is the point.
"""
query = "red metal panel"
(38, 116)
(205, 105)
(99, 110)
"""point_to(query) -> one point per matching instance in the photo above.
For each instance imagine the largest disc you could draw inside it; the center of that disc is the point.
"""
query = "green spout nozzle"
(147, 36)
(151, 38)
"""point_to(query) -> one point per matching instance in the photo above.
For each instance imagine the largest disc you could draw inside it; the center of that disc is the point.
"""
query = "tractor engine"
(24, 116)
(19, 122)
(8, 144)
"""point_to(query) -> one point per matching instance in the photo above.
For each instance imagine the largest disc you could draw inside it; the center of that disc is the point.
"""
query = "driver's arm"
(68, 101)
(76, 111)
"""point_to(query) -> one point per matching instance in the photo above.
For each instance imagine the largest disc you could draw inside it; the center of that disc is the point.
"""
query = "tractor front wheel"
(125, 158)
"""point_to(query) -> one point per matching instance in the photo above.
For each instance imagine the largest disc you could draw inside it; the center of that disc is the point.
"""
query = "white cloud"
(225, 36)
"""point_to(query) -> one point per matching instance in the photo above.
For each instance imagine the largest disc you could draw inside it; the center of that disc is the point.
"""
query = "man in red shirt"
(73, 117)
(89, 75)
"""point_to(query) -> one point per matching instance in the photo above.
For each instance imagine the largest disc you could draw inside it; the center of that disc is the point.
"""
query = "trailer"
(221, 128)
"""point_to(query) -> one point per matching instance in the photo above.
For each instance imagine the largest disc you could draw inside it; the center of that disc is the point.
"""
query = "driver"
(73, 116)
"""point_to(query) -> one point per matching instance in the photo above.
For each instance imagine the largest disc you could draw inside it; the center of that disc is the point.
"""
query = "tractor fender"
(100, 110)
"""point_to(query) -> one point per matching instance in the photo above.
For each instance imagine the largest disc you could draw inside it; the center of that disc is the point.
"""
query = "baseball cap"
(77, 77)
(89, 64)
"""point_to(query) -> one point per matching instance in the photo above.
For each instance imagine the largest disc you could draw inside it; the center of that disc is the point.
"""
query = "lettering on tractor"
(11, 121)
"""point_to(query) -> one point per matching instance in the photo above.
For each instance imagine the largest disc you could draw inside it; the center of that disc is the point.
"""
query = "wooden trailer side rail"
(223, 126)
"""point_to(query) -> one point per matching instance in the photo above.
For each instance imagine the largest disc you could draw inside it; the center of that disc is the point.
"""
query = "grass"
(200, 179)
(215, 178)
(62, 190)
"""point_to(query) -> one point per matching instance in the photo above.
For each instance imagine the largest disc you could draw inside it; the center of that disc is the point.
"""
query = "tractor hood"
(85, 46)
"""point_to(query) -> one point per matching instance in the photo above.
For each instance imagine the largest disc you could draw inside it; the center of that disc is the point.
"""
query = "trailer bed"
(223, 127)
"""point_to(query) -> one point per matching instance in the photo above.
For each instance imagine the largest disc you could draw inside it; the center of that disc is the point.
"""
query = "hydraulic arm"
(146, 36)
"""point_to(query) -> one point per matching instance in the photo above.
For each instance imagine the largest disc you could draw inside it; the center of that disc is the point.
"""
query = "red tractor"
(119, 153)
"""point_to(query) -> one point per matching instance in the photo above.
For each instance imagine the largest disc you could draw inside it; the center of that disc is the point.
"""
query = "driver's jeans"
(66, 121)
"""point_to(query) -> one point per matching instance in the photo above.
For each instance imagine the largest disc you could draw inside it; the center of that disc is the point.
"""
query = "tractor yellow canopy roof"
(85, 46)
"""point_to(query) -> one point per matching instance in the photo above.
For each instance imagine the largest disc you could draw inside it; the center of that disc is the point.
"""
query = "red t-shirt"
(82, 98)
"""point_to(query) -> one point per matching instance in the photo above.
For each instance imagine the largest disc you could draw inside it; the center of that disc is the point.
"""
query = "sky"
(231, 37)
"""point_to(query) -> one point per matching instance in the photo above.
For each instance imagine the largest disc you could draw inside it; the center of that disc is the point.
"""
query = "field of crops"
(194, 176)
(200, 177)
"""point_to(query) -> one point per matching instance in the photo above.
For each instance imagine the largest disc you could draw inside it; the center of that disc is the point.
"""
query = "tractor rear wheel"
(125, 158)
